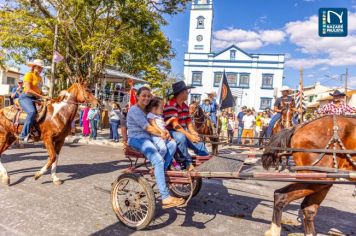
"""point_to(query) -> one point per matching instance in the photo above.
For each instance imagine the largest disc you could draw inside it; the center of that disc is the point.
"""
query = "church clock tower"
(200, 29)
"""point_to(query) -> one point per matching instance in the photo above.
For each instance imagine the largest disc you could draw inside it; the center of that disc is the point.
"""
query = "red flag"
(132, 97)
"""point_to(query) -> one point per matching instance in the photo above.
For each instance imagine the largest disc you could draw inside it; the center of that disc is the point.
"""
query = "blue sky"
(277, 26)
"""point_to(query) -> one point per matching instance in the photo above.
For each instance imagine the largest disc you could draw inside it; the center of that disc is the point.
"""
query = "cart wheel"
(133, 201)
(183, 190)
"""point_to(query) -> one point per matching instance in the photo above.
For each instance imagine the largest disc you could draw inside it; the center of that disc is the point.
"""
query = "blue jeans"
(182, 147)
(147, 148)
(239, 134)
(166, 148)
(213, 118)
(27, 105)
(114, 126)
(273, 121)
(81, 118)
(94, 128)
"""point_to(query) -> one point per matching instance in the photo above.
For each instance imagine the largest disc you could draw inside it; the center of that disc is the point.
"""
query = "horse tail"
(282, 139)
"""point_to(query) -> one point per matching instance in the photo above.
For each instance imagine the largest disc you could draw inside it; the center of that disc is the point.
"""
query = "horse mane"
(62, 94)
(282, 139)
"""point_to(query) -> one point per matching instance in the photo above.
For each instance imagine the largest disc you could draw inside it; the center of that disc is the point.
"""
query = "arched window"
(200, 22)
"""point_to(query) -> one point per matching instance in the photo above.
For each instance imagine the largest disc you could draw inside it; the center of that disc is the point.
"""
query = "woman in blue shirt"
(139, 138)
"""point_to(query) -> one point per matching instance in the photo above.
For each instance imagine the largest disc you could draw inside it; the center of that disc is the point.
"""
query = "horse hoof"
(5, 180)
(58, 182)
(37, 175)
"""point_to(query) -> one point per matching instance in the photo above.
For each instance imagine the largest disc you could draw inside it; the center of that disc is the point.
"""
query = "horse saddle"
(17, 115)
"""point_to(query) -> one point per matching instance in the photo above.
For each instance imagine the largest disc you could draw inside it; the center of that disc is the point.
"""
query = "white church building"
(252, 77)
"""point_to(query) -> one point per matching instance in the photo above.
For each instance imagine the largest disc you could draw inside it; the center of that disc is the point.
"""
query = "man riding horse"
(182, 129)
(282, 103)
(337, 106)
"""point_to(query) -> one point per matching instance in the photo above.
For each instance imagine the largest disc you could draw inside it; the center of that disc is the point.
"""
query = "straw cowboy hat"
(179, 87)
(36, 62)
(285, 88)
(337, 93)
(212, 93)
(204, 98)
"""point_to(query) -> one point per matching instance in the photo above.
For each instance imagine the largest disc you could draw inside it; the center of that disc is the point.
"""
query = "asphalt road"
(81, 206)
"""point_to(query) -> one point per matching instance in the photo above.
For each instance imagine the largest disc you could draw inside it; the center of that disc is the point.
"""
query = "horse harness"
(335, 140)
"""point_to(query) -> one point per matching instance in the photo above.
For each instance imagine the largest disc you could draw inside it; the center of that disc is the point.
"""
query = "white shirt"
(248, 121)
(231, 125)
(158, 119)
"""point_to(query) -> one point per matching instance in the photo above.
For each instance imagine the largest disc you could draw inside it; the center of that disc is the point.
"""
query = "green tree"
(92, 34)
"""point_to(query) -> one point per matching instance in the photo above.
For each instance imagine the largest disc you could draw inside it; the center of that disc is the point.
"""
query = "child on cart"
(155, 118)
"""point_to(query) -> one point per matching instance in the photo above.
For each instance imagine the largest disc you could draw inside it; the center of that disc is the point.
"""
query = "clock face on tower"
(200, 38)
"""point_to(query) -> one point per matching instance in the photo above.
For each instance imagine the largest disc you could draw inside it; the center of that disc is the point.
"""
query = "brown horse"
(317, 134)
(53, 128)
(203, 125)
(286, 120)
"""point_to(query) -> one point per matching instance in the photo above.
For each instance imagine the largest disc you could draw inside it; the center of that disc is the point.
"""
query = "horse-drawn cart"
(134, 198)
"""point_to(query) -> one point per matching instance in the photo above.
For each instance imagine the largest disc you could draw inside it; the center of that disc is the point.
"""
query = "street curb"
(81, 140)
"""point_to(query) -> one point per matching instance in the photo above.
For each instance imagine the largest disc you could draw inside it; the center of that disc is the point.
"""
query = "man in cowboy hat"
(32, 91)
(213, 107)
(278, 108)
(182, 129)
(16, 91)
(337, 106)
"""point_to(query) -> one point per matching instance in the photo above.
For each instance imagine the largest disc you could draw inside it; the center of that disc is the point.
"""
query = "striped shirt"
(173, 109)
(331, 109)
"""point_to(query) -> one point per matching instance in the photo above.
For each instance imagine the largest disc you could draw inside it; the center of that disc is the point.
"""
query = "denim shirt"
(137, 123)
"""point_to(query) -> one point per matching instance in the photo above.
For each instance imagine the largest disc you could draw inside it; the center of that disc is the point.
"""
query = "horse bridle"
(202, 116)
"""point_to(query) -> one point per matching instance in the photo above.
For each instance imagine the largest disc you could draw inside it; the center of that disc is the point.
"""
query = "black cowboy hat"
(179, 87)
(337, 93)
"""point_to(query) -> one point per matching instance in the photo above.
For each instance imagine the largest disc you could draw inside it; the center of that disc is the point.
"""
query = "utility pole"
(53, 66)
(301, 97)
(346, 78)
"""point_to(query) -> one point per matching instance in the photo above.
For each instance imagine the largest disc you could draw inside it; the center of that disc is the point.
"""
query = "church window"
(197, 78)
(267, 81)
(232, 54)
(194, 97)
(244, 80)
(200, 22)
(217, 78)
(265, 103)
(232, 79)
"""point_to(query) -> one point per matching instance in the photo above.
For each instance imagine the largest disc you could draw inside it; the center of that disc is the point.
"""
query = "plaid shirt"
(173, 109)
(331, 109)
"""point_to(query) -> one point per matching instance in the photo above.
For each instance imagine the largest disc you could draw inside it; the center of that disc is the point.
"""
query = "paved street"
(81, 206)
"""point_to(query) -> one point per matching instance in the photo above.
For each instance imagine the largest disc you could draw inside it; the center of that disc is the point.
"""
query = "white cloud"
(352, 82)
(332, 51)
(324, 68)
(246, 39)
(306, 63)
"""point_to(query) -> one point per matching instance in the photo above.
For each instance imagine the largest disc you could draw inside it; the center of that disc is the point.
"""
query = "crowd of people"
(254, 127)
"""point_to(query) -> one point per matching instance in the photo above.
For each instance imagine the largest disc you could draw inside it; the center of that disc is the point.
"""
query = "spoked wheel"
(133, 201)
(183, 190)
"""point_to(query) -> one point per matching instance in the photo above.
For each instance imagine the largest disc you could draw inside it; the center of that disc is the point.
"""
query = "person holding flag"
(213, 107)
(225, 98)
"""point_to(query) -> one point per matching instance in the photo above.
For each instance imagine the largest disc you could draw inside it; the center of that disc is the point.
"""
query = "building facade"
(252, 77)
(9, 77)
